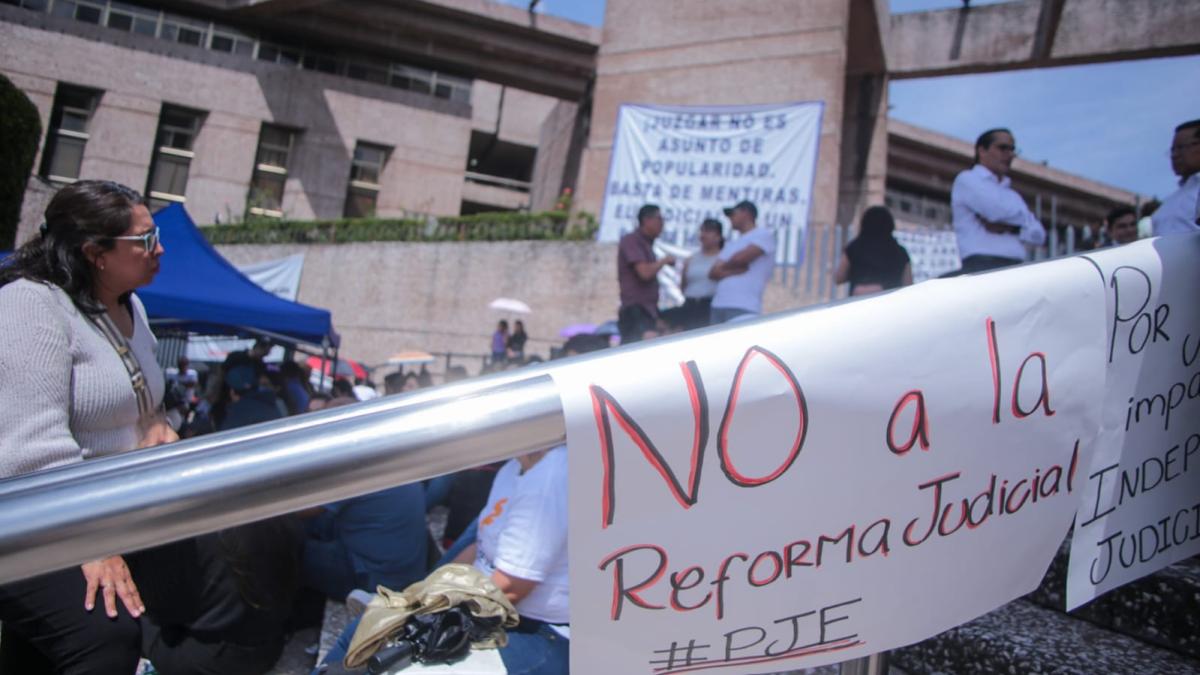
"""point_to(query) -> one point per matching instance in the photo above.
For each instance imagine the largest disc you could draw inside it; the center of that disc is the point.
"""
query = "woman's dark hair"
(877, 223)
(986, 139)
(875, 255)
(1120, 211)
(714, 225)
(342, 387)
(84, 212)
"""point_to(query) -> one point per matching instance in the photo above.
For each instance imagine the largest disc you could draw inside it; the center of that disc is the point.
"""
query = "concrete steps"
(1023, 637)
(1149, 626)
(1162, 609)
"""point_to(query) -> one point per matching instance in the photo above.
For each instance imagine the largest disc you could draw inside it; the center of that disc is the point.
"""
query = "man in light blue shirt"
(1180, 213)
(992, 222)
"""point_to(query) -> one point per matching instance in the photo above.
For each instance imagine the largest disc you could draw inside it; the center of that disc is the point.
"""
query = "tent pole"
(324, 360)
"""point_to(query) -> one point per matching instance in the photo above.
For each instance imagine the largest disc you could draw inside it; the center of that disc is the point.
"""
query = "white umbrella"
(509, 305)
(410, 358)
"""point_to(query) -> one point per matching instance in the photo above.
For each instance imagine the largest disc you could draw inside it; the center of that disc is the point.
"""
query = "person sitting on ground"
(249, 402)
(296, 390)
(520, 539)
(341, 393)
(379, 539)
(874, 261)
(230, 618)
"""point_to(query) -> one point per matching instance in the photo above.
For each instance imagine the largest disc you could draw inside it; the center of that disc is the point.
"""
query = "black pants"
(47, 630)
(633, 321)
(983, 263)
(176, 652)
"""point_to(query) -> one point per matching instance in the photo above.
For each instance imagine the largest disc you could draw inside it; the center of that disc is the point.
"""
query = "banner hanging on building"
(694, 161)
(1139, 505)
(807, 489)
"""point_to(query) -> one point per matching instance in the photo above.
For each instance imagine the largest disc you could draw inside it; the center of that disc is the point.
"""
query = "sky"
(1109, 122)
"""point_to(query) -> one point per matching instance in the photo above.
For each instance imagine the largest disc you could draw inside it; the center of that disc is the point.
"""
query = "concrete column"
(721, 52)
(864, 147)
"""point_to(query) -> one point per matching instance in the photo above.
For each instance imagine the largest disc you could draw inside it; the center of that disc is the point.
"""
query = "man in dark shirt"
(637, 275)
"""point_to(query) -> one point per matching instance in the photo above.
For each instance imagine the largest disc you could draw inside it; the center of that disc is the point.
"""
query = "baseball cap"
(744, 204)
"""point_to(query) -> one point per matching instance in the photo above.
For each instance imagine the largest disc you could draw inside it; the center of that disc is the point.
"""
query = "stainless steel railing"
(60, 518)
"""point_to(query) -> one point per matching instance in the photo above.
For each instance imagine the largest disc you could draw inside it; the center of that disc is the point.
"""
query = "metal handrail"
(102, 507)
(62, 517)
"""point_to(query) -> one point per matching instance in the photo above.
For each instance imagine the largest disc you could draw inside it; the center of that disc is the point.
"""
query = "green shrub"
(549, 225)
(20, 133)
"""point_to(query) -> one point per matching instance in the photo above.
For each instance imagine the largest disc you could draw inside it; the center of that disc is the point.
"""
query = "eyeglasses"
(1005, 147)
(1180, 148)
(148, 240)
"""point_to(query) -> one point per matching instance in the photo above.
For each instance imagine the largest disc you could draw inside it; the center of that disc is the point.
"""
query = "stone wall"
(391, 296)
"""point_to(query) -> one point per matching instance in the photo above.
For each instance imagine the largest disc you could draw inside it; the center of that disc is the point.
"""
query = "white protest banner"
(1139, 507)
(811, 488)
(695, 161)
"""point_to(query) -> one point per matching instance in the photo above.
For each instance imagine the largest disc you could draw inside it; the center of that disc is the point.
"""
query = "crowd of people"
(82, 382)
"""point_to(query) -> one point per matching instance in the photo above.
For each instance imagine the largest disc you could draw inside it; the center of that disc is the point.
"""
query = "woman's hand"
(157, 431)
(111, 577)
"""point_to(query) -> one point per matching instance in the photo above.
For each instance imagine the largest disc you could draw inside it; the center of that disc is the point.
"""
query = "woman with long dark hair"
(80, 381)
(874, 261)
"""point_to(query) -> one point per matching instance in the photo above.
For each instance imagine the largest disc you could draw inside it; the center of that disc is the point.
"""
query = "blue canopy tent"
(198, 291)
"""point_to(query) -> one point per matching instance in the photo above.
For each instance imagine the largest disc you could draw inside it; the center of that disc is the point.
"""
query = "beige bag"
(445, 587)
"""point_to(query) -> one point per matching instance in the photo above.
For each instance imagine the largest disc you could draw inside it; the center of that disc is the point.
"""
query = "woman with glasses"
(80, 381)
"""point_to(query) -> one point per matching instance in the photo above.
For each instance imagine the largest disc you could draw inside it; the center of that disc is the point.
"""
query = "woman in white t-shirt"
(522, 544)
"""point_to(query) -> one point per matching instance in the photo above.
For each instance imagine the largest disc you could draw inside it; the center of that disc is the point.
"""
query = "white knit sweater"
(65, 396)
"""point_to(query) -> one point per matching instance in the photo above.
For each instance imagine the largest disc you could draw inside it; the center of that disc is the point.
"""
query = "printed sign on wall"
(810, 488)
(695, 161)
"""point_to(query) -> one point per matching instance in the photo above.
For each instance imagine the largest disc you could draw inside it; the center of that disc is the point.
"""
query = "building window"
(132, 19)
(270, 171)
(87, 12)
(177, 129)
(68, 133)
(495, 162)
(365, 172)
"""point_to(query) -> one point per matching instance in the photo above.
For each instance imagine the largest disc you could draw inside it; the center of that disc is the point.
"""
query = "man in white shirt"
(992, 222)
(1180, 213)
(744, 266)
